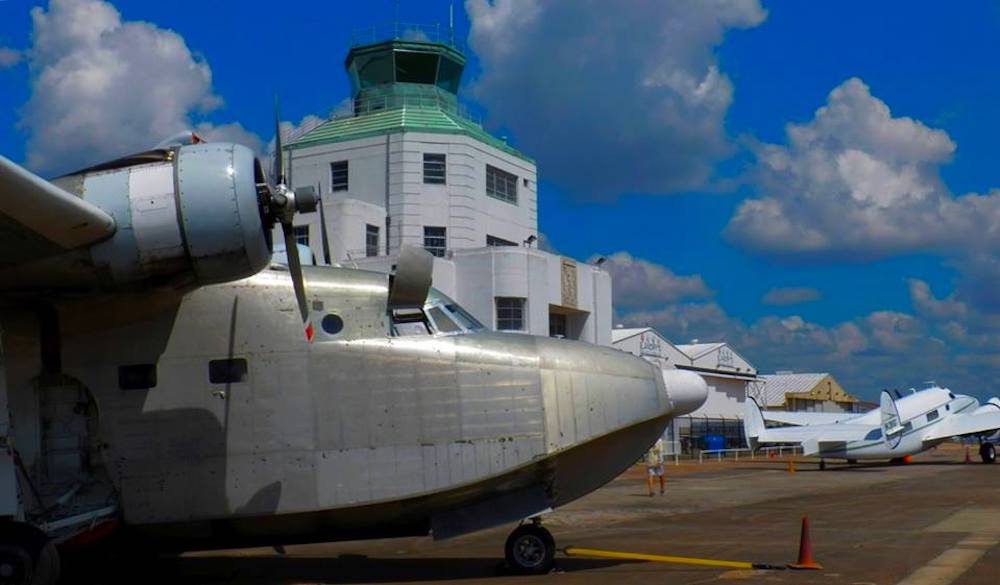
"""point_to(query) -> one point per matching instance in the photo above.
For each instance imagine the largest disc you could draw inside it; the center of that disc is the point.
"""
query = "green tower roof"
(402, 86)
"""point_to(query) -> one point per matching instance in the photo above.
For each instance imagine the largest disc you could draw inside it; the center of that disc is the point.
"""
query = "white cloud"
(790, 296)
(944, 339)
(639, 283)
(856, 181)
(9, 57)
(103, 87)
(611, 99)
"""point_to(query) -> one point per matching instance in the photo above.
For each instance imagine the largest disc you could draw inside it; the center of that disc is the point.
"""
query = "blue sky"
(661, 138)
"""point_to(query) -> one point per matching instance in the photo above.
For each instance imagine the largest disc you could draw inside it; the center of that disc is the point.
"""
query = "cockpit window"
(440, 316)
(409, 322)
(463, 317)
(443, 323)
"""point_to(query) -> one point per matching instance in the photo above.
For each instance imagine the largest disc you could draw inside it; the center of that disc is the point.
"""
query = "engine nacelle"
(991, 405)
(192, 217)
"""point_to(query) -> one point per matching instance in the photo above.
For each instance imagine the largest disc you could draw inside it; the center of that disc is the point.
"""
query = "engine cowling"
(195, 217)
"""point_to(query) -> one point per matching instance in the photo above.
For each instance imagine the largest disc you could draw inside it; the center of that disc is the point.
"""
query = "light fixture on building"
(530, 240)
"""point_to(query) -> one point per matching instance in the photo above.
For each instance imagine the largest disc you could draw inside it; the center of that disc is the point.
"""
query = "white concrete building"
(406, 165)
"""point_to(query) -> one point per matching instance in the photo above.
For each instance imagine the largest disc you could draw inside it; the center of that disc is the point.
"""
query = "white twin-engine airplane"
(909, 425)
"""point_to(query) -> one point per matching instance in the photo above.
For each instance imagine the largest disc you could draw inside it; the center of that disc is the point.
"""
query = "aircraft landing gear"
(530, 549)
(27, 557)
(822, 464)
(988, 453)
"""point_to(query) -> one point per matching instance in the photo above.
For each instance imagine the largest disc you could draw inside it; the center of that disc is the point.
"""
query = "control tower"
(404, 161)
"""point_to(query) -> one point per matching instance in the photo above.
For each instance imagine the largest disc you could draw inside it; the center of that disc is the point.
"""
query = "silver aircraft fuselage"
(357, 434)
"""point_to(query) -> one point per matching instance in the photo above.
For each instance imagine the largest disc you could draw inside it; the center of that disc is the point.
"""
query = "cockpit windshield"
(440, 316)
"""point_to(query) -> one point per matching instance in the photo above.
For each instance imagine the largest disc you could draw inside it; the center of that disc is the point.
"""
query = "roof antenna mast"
(451, 22)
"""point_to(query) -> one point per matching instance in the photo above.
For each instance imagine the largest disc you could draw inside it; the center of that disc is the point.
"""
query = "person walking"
(654, 466)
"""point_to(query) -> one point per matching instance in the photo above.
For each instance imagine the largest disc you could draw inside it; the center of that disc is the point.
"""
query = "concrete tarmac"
(935, 521)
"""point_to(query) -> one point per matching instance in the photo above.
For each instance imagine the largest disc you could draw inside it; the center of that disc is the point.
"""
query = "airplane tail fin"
(892, 426)
(753, 423)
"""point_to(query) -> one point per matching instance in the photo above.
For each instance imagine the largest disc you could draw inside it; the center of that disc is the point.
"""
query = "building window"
(557, 325)
(338, 176)
(435, 240)
(501, 185)
(371, 240)
(497, 242)
(435, 169)
(510, 314)
(301, 233)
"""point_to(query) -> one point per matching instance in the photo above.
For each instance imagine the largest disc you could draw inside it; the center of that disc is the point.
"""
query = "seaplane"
(905, 424)
(163, 382)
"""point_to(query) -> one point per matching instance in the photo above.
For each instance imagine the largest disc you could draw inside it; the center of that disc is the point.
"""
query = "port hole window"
(231, 371)
(137, 377)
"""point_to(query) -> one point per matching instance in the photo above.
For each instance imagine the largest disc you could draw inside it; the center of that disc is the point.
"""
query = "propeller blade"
(298, 282)
(279, 162)
(322, 229)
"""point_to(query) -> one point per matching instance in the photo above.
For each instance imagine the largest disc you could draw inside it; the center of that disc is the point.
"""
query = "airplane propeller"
(281, 204)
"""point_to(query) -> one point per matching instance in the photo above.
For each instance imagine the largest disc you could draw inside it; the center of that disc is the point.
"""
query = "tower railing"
(405, 31)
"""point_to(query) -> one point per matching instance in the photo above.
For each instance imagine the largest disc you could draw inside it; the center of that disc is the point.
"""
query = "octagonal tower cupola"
(401, 72)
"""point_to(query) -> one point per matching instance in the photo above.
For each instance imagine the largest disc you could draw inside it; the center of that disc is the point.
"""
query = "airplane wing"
(813, 438)
(807, 418)
(982, 423)
(38, 219)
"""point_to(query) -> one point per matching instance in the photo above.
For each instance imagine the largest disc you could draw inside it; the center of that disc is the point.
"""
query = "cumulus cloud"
(639, 283)
(856, 181)
(610, 100)
(942, 339)
(9, 57)
(102, 87)
(790, 296)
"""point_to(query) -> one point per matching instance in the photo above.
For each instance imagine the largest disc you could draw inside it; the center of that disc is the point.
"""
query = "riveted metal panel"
(117, 258)
(154, 214)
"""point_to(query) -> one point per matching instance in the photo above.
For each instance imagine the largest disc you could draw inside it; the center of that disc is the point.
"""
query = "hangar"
(816, 392)
(730, 378)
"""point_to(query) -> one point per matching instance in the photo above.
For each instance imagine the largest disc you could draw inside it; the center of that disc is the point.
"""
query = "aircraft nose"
(687, 391)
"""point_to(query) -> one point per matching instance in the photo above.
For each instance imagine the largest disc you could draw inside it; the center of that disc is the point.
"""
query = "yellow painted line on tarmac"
(575, 551)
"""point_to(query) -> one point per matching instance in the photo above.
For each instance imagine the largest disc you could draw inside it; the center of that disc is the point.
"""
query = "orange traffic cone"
(967, 458)
(806, 560)
(770, 454)
(791, 466)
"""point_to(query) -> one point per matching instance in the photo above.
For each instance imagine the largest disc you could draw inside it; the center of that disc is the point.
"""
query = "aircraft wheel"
(27, 557)
(822, 464)
(852, 461)
(896, 461)
(988, 453)
(530, 550)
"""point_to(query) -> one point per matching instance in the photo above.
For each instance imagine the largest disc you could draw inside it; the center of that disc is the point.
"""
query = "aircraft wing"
(38, 219)
(814, 437)
(957, 425)
(807, 418)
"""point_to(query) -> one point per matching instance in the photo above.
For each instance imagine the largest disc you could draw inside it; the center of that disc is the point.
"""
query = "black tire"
(530, 550)
(988, 453)
(896, 461)
(27, 557)
(822, 464)
(852, 461)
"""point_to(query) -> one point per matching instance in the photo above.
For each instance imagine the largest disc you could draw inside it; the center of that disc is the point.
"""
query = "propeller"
(322, 228)
(283, 203)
